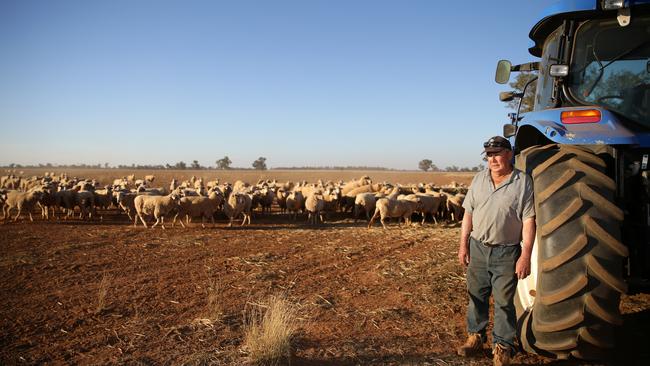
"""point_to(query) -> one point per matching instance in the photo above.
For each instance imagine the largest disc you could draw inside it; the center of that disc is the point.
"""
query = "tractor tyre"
(569, 305)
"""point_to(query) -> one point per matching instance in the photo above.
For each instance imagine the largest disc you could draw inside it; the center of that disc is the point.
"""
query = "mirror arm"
(523, 92)
(529, 66)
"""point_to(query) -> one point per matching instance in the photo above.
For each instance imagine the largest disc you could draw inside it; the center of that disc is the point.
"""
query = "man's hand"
(522, 269)
(463, 254)
(463, 248)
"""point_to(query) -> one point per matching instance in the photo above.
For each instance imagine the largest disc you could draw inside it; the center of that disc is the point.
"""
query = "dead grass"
(269, 330)
(214, 307)
(103, 291)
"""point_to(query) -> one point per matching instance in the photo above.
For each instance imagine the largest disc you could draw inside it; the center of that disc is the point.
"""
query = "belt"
(490, 245)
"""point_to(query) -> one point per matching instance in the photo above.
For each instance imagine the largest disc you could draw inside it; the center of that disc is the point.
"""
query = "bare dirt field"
(368, 297)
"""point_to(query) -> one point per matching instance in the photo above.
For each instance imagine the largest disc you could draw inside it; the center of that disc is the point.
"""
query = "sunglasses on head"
(493, 143)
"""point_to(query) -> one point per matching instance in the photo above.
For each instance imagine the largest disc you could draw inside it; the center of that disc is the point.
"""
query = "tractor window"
(611, 67)
(543, 99)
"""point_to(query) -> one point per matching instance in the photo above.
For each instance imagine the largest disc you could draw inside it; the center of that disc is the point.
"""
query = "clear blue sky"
(374, 83)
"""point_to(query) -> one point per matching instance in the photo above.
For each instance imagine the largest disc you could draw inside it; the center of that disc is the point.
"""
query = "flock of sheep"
(194, 198)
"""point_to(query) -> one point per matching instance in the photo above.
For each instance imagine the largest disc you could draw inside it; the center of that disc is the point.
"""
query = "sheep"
(65, 199)
(3, 196)
(11, 182)
(120, 182)
(331, 198)
(85, 200)
(281, 198)
(212, 184)
(198, 184)
(236, 205)
(295, 201)
(32, 182)
(199, 206)
(142, 189)
(387, 208)
(126, 201)
(365, 201)
(158, 206)
(455, 206)
(347, 200)
(48, 201)
(314, 205)
(104, 197)
(363, 181)
(22, 201)
(266, 197)
(173, 185)
(429, 205)
(239, 186)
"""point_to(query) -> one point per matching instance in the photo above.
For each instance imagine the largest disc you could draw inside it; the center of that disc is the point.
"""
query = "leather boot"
(501, 355)
(473, 345)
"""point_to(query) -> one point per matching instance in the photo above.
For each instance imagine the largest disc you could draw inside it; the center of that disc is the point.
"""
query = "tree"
(518, 86)
(180, 165)
(195, 164)
(224, 163)
(425, 164)
(260, 163)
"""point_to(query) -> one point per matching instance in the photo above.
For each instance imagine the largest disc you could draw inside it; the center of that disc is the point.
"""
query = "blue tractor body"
(585, 140)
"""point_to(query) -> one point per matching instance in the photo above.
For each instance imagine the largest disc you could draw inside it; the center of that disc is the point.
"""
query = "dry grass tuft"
(269, 330)
(103, 291)
(214, 307)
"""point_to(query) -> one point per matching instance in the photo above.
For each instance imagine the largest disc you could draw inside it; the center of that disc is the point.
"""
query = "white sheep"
(199, 206)
(429, 205)
(126, 201)
(295, 201)
(236, 205)
(455, 206)
(158, 206)
(85, 200)
(266, 197)
(365, 202)
(21, 201)
(314, 205)
(387, 208)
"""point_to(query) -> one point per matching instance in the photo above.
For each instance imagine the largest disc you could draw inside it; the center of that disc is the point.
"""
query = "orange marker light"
(580, 116)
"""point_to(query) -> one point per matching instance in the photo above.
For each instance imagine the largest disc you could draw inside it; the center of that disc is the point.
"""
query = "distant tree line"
(427, 164)
(225, 164)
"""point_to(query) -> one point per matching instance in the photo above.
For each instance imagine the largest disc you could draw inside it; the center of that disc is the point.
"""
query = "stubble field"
(78, 292)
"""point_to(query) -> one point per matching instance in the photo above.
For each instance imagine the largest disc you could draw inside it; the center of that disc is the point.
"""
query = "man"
(499, 215)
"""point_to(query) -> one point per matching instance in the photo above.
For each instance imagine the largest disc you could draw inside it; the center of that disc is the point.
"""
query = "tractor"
(586, 144)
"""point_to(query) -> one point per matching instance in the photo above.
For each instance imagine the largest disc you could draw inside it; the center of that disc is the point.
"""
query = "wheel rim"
(527, 287)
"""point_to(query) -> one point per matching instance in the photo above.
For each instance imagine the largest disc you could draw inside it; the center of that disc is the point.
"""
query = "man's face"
(499, 162)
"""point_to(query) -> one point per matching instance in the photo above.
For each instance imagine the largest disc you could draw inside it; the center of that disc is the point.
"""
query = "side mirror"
(507, 96)
(509, 130)
(503, 71)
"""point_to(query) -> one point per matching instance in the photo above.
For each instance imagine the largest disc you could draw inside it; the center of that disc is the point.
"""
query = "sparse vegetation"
(214, 307)
(269, 330)
(103, 291)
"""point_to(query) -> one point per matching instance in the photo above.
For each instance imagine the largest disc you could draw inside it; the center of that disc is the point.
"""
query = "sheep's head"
(175, 197)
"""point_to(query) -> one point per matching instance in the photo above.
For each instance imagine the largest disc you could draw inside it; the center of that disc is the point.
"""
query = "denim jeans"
(491, 271)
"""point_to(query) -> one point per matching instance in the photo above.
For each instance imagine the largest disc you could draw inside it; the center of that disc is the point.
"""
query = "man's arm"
(463, 249)
(522, 268)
